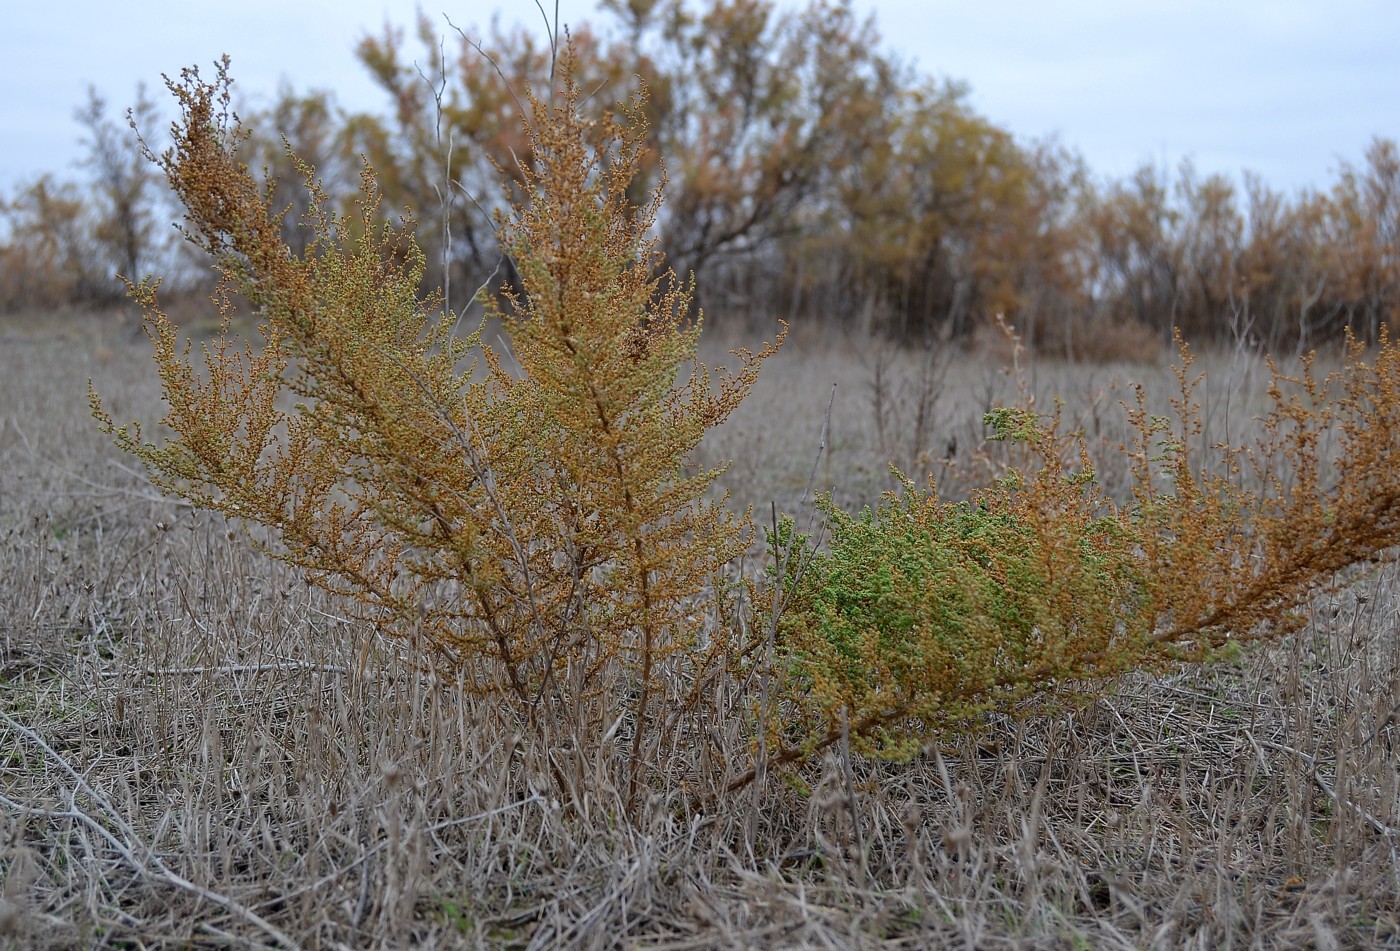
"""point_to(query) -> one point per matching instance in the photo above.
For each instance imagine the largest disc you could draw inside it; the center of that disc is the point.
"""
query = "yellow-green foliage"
(921, 615)
(935, 610)
(536, 529)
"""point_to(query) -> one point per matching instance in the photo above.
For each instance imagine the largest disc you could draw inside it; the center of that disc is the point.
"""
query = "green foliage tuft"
(929, 611)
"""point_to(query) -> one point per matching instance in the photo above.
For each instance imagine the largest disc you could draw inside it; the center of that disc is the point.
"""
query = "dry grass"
(922, 411)
(196, 750)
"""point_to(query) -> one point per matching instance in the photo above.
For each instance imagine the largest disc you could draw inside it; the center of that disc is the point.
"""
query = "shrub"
(536, 530)
(922, 615)
(537, 533)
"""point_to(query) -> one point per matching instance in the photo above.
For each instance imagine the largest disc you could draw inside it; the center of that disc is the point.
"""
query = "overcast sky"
(1286, 88)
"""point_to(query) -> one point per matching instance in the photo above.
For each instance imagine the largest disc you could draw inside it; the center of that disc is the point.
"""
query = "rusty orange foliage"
(536, 527)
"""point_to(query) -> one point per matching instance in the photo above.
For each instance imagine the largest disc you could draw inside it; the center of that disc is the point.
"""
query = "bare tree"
(124, 185)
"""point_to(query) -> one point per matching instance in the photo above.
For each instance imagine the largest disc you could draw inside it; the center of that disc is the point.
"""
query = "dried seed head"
(912, 819)
(957, 838)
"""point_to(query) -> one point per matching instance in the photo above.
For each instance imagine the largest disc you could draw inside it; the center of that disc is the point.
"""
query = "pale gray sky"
(1282, 87)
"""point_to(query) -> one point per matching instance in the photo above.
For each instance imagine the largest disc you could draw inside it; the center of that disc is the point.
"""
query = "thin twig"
(224, 669)
(782, 557)
(852, 804)
(1327, 790)
(490, 59)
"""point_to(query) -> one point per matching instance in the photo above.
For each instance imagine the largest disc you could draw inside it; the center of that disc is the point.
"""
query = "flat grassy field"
(198, 750)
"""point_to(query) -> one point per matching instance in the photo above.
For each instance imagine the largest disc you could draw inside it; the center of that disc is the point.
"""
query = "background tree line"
(811, 175)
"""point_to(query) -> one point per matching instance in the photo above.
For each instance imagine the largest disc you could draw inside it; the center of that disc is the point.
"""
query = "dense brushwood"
(535, 529)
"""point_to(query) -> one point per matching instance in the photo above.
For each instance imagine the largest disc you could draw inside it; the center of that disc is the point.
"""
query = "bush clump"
(921, 615)
(534, 528)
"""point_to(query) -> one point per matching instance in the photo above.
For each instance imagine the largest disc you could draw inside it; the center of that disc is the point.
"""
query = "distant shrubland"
(811, 175)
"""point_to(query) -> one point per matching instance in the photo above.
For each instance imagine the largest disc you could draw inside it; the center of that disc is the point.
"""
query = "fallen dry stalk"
(151, 866)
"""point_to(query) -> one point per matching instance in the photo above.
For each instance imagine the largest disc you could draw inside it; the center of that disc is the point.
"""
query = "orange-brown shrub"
(534, 528)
